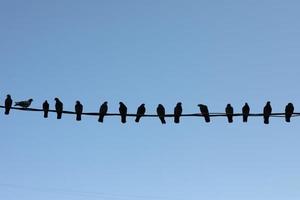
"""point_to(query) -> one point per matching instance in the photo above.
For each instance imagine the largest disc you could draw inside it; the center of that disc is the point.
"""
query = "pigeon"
(161, 113)
(246, 111)
(229, 113)
(267, 112)
(59, 108)
(204, 111)
(24, 104)
(8, 104)
(140, 112)
(102, 111)
(46, 108)
(123, 112)
(289, 110)
(78, 110)
(177, 112)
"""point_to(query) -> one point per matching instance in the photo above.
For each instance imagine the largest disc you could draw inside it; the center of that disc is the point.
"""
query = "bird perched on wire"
(102, 111)
(46, 108)
(123, 112)
(289, 110)
(161, 113)
(177, 112)
(229, 113)
(59, 107)
(24, 104)
(78, 110)
(246, 111)
(267, 112)
(140, 112)
(204, 111)
(8, 104)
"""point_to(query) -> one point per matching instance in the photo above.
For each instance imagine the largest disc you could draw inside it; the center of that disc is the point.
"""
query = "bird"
(78, 110)
(8, 104)
(140, 112)
(246, 111)
(123, 112)
(59, 107)
(46, 108)
(229, 113)
(161, 113)
(204, 111)
(289, 110)
(24, 104)
(177, 112)
(102, 111)
(267, 112)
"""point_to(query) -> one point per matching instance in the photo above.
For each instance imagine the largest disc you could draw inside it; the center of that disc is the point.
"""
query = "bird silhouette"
(59, 107)
(78, 110)
(289, 110)
(177, 112)
(123, 112)
(8, 104)
(267, 112)
(102, 111)
(246, 111)
(46, 108)
(161, 113)
(229, 113)
(140, 112)
(204, 111)
(24, 104)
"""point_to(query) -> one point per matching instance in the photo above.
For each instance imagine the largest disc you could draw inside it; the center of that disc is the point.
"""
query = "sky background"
(142, 51)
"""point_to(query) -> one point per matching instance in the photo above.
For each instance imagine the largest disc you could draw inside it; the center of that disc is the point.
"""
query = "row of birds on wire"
(141, 111)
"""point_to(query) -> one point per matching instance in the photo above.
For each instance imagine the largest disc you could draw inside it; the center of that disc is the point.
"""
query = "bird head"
(30, 100)
(56, 99)
(8, 96)
(179, 103)
(77, 102)
(105, 102)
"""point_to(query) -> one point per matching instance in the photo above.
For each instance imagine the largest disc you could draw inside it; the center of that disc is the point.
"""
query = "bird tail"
(266, 120)
(207, 118)
(177, 119)
(7, 111)
(245, 118)
(230, 119)
(288, 118)
(137, 119)
(59, 115)
(45, 114)
(78, 117)
(17, 104)
(101, 117)
(162, 119)
(123, 119)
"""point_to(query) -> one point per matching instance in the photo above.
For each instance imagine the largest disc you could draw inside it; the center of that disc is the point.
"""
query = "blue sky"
(211, 52)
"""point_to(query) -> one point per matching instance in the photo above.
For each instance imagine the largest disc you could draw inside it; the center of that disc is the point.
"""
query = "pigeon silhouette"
(78, 110)
(8, 104)
(58, 108)
(123, 112)
(289, 110)
(229, 113)
(204, 111)
(161, 113)
(102, 111)
(267, 112)
(46, 108)
(177, 112)
(140, 112)
(24, 104)
(246, 111)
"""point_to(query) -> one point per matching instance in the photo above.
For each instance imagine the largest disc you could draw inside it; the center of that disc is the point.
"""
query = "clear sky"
(142, 51)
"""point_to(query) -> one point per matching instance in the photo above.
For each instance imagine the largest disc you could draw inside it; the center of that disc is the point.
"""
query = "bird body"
(58, 108)
(102, 111)
(123, 112)
(24, 104)
(140, 112)
(177, 112)
(161, 113)
(46, 108)
(204, 111)
(267, 112)
(8, 104)
(78, 110)
(246, 111)
(289, 110)
(229, 113)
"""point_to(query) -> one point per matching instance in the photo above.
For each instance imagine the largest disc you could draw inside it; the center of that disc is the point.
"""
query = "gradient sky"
(142, 51)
